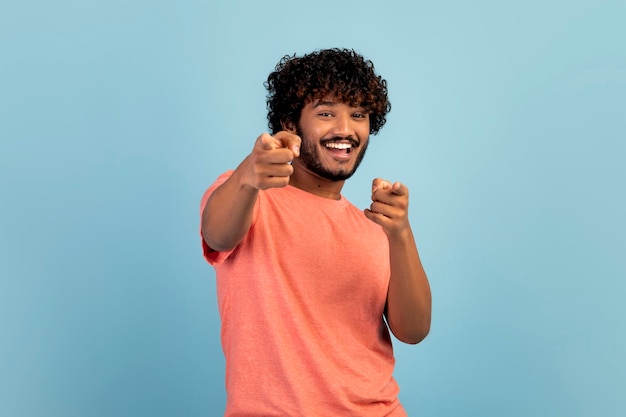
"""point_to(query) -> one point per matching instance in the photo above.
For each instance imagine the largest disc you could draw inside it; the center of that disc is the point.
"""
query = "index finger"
(399, 189)
(268, 142)
(290, 141)
(380, 183)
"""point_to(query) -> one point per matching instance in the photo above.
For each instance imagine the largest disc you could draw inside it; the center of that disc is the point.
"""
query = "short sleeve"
(213, 257)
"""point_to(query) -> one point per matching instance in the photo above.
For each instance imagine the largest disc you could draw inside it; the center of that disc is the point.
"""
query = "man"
(305, 280)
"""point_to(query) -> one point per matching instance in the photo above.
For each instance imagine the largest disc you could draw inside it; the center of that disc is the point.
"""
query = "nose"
(343, 126)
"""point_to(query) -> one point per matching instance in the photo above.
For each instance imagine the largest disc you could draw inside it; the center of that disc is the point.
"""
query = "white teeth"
(336, 145)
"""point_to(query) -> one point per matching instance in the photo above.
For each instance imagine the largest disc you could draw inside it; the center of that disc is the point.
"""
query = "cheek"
(307, 131)
(363, 131)
(315, 134)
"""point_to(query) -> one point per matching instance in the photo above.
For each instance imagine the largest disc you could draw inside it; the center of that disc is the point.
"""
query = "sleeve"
(213, 257)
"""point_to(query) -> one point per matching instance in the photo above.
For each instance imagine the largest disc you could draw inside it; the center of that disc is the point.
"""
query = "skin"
(275, 162)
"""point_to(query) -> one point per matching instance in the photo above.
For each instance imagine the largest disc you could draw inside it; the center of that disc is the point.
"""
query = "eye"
(360, 115)
(325, 114)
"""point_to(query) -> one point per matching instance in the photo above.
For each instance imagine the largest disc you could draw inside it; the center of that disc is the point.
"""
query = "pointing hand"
(390, 206)
(269, 164)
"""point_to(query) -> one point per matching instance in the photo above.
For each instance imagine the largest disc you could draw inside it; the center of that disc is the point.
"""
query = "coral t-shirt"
(301, 301)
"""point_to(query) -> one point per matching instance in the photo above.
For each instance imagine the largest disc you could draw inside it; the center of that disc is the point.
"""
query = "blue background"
(508, 125)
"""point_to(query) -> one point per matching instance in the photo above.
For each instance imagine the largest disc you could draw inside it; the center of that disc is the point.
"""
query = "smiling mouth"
(343, 146)
(346, 147)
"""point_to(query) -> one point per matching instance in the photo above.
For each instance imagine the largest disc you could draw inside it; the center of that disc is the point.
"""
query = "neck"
(311, 183)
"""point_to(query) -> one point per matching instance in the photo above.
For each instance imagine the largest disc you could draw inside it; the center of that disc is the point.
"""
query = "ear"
(288, 127)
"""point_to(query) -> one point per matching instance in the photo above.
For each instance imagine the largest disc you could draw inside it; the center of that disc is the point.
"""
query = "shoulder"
(219, 181)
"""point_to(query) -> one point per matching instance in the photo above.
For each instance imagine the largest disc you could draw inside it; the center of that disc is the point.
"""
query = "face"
(334, 138)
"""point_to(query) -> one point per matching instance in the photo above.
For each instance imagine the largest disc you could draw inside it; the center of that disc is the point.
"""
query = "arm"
(408, 298)
(227, 215)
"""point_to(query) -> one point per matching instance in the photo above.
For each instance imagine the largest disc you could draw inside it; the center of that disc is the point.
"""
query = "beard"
(310, 158)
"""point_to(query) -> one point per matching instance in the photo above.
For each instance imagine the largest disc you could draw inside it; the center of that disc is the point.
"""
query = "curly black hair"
(343, 73)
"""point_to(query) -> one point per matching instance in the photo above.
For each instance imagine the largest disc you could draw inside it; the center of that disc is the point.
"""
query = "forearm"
(227, 216)
(408, 297)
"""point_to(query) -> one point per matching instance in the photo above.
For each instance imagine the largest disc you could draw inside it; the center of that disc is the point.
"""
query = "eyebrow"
(331, 104)
(324, 103)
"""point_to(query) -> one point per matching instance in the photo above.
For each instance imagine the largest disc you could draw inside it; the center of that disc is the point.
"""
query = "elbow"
(410, 333)
(215, 245)
(413, 337)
